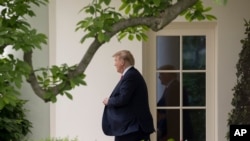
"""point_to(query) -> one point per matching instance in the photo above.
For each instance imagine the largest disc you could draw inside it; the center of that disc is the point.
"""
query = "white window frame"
(149, 66)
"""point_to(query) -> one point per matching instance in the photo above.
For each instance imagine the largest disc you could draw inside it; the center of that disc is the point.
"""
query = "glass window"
(181, 87)
(179, 68)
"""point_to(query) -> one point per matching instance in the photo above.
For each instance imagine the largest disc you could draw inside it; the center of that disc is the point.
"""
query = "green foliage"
(50, 77)
(134, 32)
(101, 19)
(240, 114)
(198, 12)
(11, 72)
(144, 8)
(13, 123)
(15, 32)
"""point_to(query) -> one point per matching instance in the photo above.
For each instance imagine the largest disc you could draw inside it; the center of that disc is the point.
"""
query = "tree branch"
(27, 57)
(154, 23)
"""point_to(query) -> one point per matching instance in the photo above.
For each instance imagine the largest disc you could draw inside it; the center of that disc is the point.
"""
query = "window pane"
(181, 84)
(194, 52)
(168, 124)
(194, 128)
(168, 51)
(168, 89)
(194, 88)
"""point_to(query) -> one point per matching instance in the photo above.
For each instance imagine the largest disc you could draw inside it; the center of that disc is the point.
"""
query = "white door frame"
(149, 67)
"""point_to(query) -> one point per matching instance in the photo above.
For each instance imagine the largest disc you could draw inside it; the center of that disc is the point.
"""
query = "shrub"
(13, 123)
(240, 114)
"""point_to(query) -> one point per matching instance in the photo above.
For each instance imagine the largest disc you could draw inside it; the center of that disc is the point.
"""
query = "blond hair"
(126, 56)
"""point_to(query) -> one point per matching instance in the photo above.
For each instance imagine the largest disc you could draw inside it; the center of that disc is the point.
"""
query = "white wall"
(230, 32)
(82, 116)
(38, 112)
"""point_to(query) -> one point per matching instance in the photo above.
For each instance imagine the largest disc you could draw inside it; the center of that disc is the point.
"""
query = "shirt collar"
(126, 70)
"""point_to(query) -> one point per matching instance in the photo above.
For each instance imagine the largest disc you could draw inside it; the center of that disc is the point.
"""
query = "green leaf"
(39, 78)
(2, 42)
(72, 84)
(18, 81)
(47, 96)
(188, 16)
(101, 37)
(69, 95)
(121, 35)
(46, 82)
(144, 36)
(2, 104)
(207, 9)
(138, 37)
(128, 8)
(5, 99)
(131, 37)
(123, 6)
(90, 10)
(107, 2)
(53, 99)
(157, 2)
(54, 69)
(210, 17)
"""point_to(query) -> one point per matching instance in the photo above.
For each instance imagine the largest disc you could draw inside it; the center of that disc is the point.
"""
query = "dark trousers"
(136, 136)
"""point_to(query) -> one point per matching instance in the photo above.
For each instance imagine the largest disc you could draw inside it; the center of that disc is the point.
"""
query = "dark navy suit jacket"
(128, 108)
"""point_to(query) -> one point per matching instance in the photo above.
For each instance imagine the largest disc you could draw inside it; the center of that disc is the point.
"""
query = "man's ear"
(122, 62)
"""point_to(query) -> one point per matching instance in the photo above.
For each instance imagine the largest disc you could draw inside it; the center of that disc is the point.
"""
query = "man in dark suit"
(168, 121)
(126, 114)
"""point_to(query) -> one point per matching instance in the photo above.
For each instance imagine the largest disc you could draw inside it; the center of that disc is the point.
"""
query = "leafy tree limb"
(103, 23)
